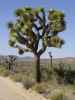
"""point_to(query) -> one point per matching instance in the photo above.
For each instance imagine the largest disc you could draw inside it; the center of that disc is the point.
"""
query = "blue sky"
(7, 8)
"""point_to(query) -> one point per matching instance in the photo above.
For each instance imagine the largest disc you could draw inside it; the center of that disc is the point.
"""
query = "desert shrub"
(39, 88)
(59, 71)
(17, 77)
(57, 94)
(27, 82)
(42, 88)
(46, 73)
(4, 71)
(69, 77)
(65, 74)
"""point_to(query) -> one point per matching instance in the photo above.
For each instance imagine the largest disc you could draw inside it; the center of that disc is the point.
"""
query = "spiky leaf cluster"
(53, 41)
(56, 21)
(31, 26)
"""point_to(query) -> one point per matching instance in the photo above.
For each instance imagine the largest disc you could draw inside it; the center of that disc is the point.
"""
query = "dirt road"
(10, 90)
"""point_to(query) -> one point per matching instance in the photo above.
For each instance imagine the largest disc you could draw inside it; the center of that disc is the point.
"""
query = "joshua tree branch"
(44, 22)
(40, 19)
(42, 50)
(37, 28)
(24, 49)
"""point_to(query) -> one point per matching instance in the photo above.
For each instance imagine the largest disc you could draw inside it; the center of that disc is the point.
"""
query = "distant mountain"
(27, 58)
(65, 60)
(43, 60)
(69, 60)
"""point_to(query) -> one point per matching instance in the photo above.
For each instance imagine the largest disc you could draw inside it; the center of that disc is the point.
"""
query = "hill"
(68, 60)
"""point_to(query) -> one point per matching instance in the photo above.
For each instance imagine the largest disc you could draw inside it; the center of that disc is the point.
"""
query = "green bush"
(27, 82)
(46, 74)
(42, 88)
(65, 74)
(17, 77)
(69, 77)
(57, 94)
(4, 71)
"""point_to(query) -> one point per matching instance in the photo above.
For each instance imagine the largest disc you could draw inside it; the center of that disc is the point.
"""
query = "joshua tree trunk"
(9, 67)
(38, 70)
(51, 62)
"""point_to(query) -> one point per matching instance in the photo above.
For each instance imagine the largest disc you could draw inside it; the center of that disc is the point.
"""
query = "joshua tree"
(10, 60)
(50, 55)
(34, 30)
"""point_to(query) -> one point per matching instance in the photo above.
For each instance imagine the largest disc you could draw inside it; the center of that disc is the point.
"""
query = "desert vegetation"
(56, 83)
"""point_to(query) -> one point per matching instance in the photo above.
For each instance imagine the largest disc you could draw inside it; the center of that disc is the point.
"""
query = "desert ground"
(10, 90)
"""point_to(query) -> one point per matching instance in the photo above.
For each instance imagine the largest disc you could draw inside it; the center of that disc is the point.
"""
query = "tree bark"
(9, 66)
(38, 70)
(51, 62)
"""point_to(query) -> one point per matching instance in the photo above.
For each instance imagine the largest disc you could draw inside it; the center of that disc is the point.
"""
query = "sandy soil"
(10, 90)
